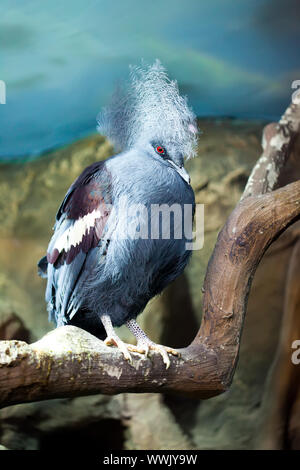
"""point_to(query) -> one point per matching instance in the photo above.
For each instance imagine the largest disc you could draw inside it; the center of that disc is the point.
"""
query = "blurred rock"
(159, 430)
(12, 327)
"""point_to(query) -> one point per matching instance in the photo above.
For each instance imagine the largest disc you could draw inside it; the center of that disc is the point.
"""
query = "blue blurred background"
(62, 59)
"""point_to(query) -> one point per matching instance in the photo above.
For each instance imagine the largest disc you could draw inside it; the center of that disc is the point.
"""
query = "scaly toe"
(115, 341)
(172, 351)
(163, 352)
(109, 341)
(137, 349)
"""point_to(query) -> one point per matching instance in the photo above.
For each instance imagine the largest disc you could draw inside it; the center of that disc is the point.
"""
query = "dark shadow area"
(102, 435)
(180, 323)
(13, 327)
(180, 328)
(184, 410)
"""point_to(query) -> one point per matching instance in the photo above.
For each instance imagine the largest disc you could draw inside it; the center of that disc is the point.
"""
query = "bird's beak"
(182, 171)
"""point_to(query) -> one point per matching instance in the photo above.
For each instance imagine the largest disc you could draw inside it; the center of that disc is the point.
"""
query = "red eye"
(160, 150)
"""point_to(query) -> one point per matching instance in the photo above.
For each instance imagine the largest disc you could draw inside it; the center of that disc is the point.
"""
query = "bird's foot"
(164, 351)
(114, 340)
(143, 347)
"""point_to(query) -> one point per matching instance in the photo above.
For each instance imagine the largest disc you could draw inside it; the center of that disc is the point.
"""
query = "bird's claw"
(164, 351)
(116, 341)
(144, 347)
(140, 349)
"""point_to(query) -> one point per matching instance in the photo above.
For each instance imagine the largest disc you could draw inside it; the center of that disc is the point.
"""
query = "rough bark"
(277, 142)
(70, 362)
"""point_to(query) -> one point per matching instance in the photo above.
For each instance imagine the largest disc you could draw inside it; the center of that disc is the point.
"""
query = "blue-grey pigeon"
(104, 263)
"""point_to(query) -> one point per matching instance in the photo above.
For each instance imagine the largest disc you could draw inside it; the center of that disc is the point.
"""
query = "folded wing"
(78, 232)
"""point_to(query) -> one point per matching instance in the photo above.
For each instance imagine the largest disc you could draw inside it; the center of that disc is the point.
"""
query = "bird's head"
(168, 153)
(150, 114)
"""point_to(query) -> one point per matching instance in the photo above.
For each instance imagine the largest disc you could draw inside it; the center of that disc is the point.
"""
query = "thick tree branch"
(70, 362)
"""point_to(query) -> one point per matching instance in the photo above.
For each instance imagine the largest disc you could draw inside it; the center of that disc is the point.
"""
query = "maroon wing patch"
(87, 207)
